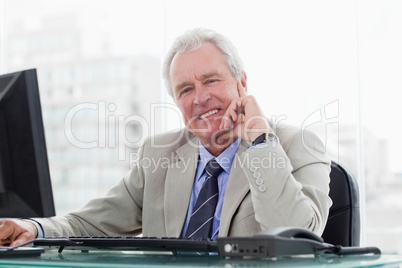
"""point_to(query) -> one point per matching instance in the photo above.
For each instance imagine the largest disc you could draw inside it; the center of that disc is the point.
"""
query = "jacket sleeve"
(289, 182)
(118, 213)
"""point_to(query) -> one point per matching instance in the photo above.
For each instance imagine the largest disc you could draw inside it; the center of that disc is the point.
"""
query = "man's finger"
(5, 230)
(225, 123)
(241, 118)
(5, 242)
(21, 240)
(233, 115)
(226, 136)
(241, 89)
(229, 116)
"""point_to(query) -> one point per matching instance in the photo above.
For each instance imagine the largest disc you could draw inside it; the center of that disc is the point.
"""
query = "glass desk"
(51, 258)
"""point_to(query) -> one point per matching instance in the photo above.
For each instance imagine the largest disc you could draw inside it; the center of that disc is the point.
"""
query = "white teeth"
(208, 113)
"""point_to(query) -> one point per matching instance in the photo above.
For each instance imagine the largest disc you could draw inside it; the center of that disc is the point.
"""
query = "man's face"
(203, 87)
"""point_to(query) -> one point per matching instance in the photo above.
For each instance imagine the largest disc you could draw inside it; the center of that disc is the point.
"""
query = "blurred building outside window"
(332, 67)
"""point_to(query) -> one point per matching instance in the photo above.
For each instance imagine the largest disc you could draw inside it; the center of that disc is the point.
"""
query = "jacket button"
(257, 175)
(262, 188)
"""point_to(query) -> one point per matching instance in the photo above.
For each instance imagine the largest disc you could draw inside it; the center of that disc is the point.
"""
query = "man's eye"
(184, 91)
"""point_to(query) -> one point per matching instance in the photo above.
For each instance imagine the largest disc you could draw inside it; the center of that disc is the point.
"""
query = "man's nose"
(202, 95)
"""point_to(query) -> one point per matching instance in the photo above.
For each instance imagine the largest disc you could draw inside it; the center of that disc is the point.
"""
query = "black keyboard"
(129, 243)
(267, 246)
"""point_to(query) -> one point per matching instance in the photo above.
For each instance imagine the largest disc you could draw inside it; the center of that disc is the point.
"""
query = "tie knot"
(213, 169)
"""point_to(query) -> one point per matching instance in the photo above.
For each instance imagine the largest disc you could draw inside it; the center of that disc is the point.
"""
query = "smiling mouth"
(212, 112)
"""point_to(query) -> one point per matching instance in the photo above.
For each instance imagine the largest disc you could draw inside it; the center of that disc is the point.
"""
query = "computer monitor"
(25, 186)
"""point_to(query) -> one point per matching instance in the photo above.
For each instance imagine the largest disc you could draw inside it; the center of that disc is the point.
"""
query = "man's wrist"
(255, 133)
(266, 137)
(40, 232)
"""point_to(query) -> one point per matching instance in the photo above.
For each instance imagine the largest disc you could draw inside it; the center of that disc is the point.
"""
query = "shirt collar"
(225, 159)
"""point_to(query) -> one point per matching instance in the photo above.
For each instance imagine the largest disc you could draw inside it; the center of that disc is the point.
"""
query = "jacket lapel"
(236, 189)
(178, 187)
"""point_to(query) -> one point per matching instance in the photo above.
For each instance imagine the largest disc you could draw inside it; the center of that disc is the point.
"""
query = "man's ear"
(243, 81)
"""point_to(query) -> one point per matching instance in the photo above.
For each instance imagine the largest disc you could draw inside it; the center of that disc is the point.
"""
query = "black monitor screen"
(25, 187)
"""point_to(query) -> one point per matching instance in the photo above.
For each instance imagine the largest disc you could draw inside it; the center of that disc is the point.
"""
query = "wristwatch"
(266, 137)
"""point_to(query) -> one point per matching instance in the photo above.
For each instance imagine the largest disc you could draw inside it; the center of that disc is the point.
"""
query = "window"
(330, 66)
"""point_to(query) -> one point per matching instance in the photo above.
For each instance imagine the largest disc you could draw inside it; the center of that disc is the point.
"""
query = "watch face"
(272, 137)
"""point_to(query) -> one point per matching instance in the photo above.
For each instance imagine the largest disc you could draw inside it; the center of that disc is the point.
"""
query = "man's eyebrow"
(182, 85)
(209, 75)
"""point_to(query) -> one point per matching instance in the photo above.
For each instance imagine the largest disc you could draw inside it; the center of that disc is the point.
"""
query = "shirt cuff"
(262, 144)
(41, 233)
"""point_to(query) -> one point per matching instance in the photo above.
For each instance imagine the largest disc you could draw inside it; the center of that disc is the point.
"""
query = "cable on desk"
(339, 250)
(13, 248)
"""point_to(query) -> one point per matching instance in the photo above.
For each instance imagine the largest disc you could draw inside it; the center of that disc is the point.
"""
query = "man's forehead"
(204, 54)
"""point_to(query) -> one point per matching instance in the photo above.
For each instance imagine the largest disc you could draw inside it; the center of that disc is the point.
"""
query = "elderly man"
(228, 173)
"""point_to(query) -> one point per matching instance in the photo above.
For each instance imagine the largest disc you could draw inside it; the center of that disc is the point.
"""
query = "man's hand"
(243, 118)
(16, 232)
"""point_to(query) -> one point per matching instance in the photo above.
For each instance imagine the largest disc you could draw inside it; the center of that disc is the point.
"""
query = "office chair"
(343, 226)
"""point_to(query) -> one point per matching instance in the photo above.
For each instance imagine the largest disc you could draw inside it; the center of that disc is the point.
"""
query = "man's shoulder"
(286, 131)
(292, 134)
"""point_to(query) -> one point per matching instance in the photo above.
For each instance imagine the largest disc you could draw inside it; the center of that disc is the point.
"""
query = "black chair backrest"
(343, 226)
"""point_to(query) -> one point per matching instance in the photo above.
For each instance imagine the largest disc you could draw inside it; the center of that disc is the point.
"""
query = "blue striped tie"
(200, 225)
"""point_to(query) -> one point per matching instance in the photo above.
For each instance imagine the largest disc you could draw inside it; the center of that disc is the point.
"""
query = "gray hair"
(192, 40)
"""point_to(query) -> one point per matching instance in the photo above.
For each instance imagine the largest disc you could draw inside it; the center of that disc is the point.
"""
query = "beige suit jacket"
(269, 186)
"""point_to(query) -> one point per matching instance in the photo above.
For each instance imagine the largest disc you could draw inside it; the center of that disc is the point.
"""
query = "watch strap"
(265, 137)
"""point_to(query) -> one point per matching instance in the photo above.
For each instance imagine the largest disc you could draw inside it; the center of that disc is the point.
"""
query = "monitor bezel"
(22, 196)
